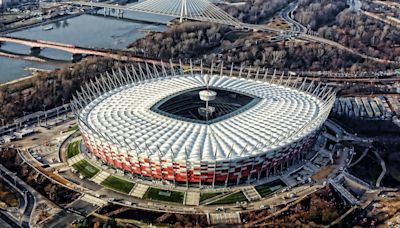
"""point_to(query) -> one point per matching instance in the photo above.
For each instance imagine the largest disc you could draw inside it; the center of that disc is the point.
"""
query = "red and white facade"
(119, 128)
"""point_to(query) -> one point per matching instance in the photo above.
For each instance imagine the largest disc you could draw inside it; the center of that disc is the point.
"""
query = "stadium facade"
(180, 125)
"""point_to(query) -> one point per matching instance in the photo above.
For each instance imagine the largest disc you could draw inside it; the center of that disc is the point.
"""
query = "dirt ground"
(7, 196)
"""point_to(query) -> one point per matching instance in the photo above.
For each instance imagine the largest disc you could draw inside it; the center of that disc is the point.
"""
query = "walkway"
(100, 177)
(139, 190)
(225, 218)
(94, 200)
(251, 193)
(192, 198)
(75, 159)
(383, 165)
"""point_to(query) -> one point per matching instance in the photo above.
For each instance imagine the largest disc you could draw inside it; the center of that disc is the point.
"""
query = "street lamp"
(45, 114)
(16, 125)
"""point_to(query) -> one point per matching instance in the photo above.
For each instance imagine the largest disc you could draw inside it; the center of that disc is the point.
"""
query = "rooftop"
(266, 117)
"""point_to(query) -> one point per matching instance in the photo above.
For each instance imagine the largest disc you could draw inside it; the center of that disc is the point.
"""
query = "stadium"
(182, 126)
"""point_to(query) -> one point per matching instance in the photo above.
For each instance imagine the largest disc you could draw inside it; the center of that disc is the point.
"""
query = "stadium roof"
(123, 116)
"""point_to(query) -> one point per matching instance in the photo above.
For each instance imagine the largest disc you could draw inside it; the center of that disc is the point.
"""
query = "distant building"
(3, 4)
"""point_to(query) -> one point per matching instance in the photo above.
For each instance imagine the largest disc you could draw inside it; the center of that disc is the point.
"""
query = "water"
(86, 31)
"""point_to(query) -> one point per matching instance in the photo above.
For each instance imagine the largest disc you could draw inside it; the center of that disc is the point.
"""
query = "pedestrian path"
(139, 190)
(225, 218)
(75, 159)
(251, 193)
(94, 200)
(100, 177)
(192, 198)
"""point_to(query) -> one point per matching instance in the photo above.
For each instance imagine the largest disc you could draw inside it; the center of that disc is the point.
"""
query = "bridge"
(37, 45)
(77, 52)
(197, 10)
(205, 11)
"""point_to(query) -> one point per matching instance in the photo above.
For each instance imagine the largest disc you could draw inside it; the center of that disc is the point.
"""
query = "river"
(85, 30)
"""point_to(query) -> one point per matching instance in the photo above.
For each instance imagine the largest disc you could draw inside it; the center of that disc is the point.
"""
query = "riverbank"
(29, 58)
(49, 21)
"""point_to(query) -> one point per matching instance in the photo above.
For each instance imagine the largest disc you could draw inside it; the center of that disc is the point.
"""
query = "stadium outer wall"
(218, 173)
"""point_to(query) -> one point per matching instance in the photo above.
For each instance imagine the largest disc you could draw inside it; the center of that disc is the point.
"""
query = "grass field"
(269, 188)
(85, 168)
(205, 196)
(118, 184)
(154, 194)
(236, 197)
(73, 149)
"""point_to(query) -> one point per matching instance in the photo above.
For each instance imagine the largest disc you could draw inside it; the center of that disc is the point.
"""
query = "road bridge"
(205, 11)
(37, 45)
(241, 71)
(197, 10)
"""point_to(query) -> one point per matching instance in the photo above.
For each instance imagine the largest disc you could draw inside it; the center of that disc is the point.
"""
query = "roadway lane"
(286, 14)
(63, 218)
(6, 221)
(19, 184)
(77, 210)
(28, 210)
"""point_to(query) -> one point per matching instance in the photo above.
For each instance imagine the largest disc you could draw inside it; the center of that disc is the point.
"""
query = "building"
(195, 129)
(4, 4)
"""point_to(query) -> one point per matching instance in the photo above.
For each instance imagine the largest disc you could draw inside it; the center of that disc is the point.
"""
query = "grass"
(85, 168)
(205, 196)
(72, 128)
(235, 197)
(153, 193)
(269, 188)
(118, 184)
(73, 149)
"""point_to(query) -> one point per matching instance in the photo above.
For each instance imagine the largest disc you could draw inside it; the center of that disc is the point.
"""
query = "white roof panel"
(279, 118)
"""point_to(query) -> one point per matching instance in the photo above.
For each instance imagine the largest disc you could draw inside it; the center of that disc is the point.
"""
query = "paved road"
(7, 221)
(28, 210)
(287, 14)
(76, 210)
(22, 186)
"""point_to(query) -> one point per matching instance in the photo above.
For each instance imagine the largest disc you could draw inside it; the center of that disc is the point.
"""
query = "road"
(79, 209)
(7, 221)
(299, 30)
(23, 187)
(287, 14)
